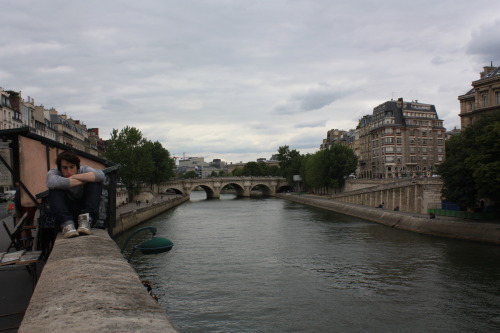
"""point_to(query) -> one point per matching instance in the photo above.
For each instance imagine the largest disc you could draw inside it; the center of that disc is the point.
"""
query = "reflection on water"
(269, 265)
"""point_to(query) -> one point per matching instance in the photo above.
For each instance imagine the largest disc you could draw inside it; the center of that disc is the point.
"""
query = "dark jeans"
(63, 208)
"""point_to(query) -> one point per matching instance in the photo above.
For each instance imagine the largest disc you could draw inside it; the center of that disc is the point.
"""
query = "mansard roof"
(494, 73)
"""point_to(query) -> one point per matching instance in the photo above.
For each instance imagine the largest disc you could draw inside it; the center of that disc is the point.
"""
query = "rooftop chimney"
(486, 70)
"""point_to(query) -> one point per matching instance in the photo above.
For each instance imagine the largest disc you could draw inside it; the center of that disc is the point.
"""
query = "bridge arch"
(265, 189)
(211, 193)
(284, 189)
(172, 190)
(213, 186)
(240, 191)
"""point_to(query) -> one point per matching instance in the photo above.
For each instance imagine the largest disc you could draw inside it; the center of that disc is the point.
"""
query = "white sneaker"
(69, 231)
(84, 224)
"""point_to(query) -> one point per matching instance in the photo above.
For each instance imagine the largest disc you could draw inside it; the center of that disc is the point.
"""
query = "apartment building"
(18, 112)
(483, 98)
(10, 116)
(202, 168)
(400, 139)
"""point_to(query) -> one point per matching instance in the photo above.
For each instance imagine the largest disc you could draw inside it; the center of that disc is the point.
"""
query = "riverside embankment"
(482, 231)
(87, 286)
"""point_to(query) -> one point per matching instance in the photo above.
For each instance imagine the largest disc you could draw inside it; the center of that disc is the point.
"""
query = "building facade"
(17, 112)
(483, 98)
(400, 139)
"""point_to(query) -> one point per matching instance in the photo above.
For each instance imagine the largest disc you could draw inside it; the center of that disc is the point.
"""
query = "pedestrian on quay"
(74, 194)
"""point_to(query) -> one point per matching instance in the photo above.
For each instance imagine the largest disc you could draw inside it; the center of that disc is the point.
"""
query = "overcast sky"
(236, 79)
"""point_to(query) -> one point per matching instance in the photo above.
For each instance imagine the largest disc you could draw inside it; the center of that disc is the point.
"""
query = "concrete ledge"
(444, 227)
(87, 286)
(130, 219)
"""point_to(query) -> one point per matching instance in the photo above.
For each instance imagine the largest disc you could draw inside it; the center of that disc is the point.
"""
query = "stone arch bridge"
(213, 186)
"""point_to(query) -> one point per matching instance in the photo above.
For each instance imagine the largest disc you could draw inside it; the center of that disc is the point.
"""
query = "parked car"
(2, 197)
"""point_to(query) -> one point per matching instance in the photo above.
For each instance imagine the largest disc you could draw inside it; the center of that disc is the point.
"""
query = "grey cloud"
(439, 60)
(485, 43)
(315, 98)
(256, 76)
(320, 123)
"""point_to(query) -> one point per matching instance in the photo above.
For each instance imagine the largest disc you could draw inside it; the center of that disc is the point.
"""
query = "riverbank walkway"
(16, 284)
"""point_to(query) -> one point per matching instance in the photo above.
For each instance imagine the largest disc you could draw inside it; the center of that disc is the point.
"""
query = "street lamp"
(151, 246)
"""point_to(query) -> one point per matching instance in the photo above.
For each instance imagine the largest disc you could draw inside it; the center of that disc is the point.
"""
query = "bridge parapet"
(213, 186)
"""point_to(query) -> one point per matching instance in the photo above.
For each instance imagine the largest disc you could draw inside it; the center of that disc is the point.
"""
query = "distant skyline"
(235, 80)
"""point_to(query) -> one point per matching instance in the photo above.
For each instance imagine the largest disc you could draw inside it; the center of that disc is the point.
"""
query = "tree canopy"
(141, 160)
(290, 162)
(471, 171)
(329, 167)
(325, 168)
(256, 169)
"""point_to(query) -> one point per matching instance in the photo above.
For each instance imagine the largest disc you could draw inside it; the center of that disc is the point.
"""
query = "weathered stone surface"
(444, 227)
(87, 286)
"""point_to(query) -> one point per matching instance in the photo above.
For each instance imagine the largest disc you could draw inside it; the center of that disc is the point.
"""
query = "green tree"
(256, 169)
(141, 160)
(290, 162)
(471, 171)
(329, 167)
(237, 172)
(163, 164)
(190, 174)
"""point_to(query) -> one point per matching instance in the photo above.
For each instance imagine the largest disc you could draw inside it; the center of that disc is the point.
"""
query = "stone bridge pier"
(243, 186)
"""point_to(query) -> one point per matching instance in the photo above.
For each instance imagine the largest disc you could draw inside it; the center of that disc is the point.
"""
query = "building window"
(398, 140)
(497, 97)
(485, 100)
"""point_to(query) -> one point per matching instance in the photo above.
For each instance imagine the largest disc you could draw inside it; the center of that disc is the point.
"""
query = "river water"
(270, 265)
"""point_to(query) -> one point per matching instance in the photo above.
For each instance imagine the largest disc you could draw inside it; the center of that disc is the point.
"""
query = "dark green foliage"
(141, 160)
(329, 167)
(290, 162)
(471, 171)
(256, 169)
(190, 175)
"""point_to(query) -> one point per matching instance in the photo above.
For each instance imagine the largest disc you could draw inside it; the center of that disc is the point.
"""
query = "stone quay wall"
(130, 219)
(87, 286)
(410, 195)
(488, 232)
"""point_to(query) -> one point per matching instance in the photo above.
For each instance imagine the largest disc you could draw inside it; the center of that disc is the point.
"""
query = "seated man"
(74, 194)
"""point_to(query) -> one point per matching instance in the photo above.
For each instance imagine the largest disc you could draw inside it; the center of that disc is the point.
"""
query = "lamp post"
(151, 246)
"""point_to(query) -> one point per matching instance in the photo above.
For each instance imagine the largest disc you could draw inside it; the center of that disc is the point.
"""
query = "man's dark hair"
(68, 156)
